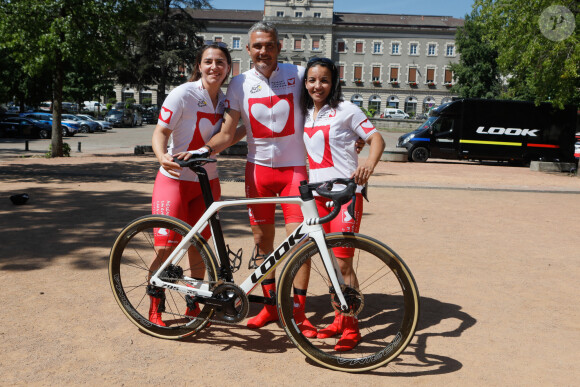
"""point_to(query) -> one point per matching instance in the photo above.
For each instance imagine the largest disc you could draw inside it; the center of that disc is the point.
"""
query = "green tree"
(539, 54)
(477, 73)
(161, 48)
(49, 37)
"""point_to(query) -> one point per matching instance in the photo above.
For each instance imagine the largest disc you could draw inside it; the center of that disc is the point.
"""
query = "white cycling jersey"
(189, 112)
(330, 140)
(270, 109)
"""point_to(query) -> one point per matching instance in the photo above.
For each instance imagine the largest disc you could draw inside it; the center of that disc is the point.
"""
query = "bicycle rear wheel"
(385, 302)
(130, 269)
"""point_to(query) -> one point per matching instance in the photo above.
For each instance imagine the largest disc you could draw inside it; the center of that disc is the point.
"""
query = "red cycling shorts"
(182, 200)
(264, 181)
(342, 223)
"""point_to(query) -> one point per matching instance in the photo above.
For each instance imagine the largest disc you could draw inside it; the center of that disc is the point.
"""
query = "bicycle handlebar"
(339, 198)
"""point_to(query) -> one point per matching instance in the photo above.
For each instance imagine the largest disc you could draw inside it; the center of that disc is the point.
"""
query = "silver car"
(86, 126)
(103, 125)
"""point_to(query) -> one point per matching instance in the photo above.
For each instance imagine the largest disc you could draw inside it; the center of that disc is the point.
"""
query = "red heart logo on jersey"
(317, 141)
(206, 125)
(367, 126)
(272, 116)
(165, 114)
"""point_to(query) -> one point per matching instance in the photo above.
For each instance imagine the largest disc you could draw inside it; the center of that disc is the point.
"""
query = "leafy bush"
(65, 150)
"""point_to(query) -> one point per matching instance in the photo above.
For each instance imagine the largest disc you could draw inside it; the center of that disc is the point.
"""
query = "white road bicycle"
(386, 300)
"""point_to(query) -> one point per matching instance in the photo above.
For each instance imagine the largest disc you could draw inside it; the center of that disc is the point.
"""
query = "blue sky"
(455, 8)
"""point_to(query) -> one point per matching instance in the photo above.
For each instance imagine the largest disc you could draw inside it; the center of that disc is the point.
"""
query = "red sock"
(307, 329)
(269, 312)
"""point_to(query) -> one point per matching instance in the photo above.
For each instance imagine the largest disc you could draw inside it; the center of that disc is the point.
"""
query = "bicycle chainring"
(236, 305)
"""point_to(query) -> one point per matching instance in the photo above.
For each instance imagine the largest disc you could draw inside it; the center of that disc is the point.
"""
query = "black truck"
(482, 129)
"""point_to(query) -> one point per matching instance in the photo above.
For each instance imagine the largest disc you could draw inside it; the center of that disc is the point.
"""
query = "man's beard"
(262, 67)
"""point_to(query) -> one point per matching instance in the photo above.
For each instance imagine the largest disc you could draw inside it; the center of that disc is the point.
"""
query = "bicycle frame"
(315, 231)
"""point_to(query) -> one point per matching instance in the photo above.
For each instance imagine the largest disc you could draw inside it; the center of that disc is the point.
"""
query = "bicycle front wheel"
(133, 259)
(383, 299)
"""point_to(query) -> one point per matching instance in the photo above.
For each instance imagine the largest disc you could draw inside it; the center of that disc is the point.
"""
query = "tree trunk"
(56, 143)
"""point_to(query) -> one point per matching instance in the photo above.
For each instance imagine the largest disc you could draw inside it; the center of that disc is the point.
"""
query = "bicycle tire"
(390, 309)
(129, 273)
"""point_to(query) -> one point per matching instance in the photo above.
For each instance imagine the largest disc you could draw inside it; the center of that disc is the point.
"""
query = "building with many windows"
(384, 60)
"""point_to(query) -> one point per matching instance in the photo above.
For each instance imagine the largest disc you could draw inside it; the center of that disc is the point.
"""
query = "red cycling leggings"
(342, 223)
(182, 200)
(264, 181)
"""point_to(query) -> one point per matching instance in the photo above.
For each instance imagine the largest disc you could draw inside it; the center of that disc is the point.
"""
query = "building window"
(377, 48)
(297, 63)
(450, 51)
(412, 76)
(217, 39)
(376, 74)
(236, 44)
(341, 46)
(393, 101)
(279, 13)
(358, 73)
(281, 41)
(411, 105)
(298, 44)
(298, 14)
(315, 44)
(359, 47)
(395, 48)
(432, 49)
(430, 76)
(341, 72)
(413, 49)
(317, 14)
(357, 100)
(235, 68)
(448, 76)
(394, 75)
(375, 103)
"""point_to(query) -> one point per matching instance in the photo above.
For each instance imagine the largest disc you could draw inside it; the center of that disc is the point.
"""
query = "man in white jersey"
(267, 98)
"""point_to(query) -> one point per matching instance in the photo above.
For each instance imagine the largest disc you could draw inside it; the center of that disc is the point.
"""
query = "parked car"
(150, 115)
(86, 126)
(103, 125)
(67, 107)
(394, 113)
(69, 128)
(94, 106)
(120, 117)
(577, 146)
(24, 127)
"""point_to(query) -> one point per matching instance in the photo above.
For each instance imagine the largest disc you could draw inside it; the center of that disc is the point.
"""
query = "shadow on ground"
(70, 220)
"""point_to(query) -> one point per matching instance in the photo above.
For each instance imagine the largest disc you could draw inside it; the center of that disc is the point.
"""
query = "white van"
(93, 106)
(394, 113)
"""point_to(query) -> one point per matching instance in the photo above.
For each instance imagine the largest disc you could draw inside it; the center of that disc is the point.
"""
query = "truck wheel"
(420, 154)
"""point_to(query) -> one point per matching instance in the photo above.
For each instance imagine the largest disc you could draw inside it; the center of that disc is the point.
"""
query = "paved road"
(116, 141)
